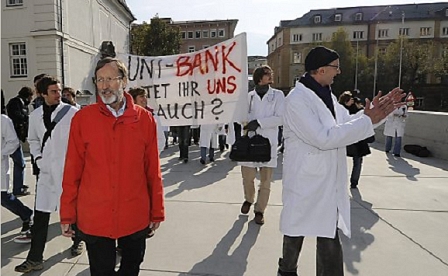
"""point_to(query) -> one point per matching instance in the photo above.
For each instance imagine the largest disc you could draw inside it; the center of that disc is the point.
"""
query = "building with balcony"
(368, 27)
(60, 38)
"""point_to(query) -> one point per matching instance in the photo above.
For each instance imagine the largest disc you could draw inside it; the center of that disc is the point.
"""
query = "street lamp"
(376, 61)
(401, 48)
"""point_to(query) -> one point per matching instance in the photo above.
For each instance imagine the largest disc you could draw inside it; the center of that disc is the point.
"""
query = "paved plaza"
(399, 223)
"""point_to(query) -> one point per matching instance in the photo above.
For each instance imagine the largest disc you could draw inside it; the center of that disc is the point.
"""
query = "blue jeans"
(19, 170)
(397, 145)
(356, 171)
(13, 204)
(211, 153)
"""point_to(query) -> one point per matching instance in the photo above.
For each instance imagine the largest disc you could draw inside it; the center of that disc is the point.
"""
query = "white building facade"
(61, 38)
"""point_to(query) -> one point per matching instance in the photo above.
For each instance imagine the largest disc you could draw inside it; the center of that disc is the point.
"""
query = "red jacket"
(112, 184)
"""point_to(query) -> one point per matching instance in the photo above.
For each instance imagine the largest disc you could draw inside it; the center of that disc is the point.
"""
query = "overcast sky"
(257, 18)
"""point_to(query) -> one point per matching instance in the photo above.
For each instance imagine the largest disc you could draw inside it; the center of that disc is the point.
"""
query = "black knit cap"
(319, 57)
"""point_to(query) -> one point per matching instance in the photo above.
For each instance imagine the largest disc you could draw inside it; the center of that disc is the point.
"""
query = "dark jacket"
(18, 111)
(360, 148)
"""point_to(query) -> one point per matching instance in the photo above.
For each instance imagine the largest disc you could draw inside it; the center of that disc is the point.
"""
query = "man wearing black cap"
(317, 130)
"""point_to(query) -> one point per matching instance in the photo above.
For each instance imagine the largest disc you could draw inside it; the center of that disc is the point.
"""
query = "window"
(403, 32)
(191, 49)
(383, 33)
(297, 37)
(317, 19)
(445, 31)
(382, 51)
(190, 34)
(221, 33)
(279, 41)
(338, 17)
(197, 34)
(205, 34)
(12, 3)
(358, 16)
(17, 55)
(297, 58)
(358, 35)
(425, 31)
(213, 33)
(183, 35)
(446, 12)
(317, 37)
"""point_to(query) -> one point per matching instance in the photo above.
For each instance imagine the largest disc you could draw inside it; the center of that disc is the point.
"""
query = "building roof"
(126, 7)
(373, 13)
(205, 21)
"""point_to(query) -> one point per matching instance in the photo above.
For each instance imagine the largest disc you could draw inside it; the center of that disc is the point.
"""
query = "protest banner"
(203, 87)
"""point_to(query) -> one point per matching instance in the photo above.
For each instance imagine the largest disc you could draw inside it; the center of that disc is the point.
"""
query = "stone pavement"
(399, 223)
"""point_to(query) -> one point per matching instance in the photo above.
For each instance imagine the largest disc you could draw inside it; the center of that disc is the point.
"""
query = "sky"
(257, 18)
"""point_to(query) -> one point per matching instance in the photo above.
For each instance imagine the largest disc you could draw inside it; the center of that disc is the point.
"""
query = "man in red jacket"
(112, 186)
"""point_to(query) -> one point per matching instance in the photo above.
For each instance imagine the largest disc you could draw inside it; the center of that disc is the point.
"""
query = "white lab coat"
(209, 136)
(160, 134)
(49, 185)
(396, 121)
(10, 143)
(268, 112)
(315, 194)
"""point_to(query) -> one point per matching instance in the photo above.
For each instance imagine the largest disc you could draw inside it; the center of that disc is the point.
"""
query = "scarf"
(323, 92)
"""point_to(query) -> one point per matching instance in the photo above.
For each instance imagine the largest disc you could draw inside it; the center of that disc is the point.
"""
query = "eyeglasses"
(334, 66)
(107, 80)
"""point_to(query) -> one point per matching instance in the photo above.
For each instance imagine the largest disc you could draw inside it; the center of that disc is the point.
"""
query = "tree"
(341, 44)
(155, 39)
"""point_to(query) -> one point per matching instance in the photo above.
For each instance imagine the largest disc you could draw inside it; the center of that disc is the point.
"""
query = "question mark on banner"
(216, 110)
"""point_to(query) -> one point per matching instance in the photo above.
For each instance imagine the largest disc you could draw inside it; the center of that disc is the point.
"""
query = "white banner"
(205, 87)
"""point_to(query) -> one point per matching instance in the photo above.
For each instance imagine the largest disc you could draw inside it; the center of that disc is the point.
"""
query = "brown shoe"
(259, 218)
(246, 207)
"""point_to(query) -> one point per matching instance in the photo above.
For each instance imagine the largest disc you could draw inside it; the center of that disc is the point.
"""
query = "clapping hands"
(381, 106)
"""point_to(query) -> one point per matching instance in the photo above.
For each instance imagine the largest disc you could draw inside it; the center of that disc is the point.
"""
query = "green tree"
(341, 44)
(155, 39)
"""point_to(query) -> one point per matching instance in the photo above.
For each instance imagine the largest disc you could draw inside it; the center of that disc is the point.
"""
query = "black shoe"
(259, 218)
(77, 249)
(202, 161)
(185, 160)
(221, 148)
(28, 266)
(212, 160)
(26, 226)
(397, 155)
(282, 273)
(245, 207)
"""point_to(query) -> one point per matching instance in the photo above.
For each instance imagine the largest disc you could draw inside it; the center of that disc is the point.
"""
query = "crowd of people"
(123, 206)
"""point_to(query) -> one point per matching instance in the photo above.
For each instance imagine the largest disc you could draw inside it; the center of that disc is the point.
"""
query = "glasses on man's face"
(334, 66)
(102, 81)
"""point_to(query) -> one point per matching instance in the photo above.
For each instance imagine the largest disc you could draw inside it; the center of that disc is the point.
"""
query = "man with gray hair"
(112, 187)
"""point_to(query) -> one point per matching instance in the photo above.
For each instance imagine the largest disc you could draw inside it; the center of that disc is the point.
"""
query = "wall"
(424, 128)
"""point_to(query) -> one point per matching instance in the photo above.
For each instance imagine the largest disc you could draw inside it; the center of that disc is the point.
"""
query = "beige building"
(255, 61)
(200, 34)
(367, 27)
(60, 38)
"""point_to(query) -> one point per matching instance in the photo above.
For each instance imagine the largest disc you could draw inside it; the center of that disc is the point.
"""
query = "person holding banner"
(317, 130)
(265, 116)
(112, 187)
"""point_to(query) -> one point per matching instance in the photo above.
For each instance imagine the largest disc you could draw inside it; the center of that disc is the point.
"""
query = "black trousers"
(329, 260)
(183, 133)
(102, 254)
(39, 231)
